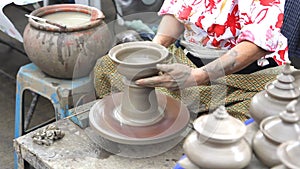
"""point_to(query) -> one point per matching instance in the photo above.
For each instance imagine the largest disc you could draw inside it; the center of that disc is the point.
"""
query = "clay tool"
(46, 21)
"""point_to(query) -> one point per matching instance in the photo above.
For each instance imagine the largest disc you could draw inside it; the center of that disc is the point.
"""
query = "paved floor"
(10, 61)
(12, 57)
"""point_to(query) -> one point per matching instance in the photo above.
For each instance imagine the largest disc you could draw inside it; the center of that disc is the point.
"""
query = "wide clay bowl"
(138, 59)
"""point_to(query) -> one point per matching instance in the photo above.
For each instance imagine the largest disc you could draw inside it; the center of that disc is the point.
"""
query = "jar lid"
(289, 153)
(220, 126)
(284, 86)
(282, 127)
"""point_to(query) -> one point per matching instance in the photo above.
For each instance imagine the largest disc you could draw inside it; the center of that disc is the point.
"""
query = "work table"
(77, 151)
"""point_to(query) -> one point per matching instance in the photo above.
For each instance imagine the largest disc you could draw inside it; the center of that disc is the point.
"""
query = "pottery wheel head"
(172, 126)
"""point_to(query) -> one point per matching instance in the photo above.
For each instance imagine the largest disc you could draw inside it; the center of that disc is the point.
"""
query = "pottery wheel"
(173, 124)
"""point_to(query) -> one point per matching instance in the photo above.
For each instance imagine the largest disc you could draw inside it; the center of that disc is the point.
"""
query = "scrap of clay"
(47, 135)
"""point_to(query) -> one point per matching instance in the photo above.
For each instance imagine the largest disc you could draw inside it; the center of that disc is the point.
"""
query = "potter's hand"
(174, 76)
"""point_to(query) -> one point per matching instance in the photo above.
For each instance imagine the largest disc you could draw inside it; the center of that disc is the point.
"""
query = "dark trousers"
(253, 67)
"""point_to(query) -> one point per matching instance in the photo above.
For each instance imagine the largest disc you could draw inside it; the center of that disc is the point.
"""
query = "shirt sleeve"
(261, 23)
(170, 7)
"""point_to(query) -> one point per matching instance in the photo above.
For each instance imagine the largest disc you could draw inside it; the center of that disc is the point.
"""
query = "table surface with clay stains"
(77, 151)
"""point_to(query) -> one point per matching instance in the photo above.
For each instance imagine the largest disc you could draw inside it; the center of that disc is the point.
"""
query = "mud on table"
(77, 151)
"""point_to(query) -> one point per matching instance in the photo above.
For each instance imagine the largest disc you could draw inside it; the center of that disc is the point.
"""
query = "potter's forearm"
(233, 61)
(168, 31)
(241, 56)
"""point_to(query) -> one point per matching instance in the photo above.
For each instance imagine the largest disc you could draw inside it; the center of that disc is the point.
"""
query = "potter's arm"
(233, 61)
(168, 31)
(177, 76)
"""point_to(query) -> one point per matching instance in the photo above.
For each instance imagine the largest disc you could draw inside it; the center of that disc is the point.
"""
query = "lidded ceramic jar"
(273, 131)
(289, 153)
(275, 97)
(71, 49)
(217, 143)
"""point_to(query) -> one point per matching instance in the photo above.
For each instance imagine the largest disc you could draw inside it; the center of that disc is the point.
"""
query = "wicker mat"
(234, 91)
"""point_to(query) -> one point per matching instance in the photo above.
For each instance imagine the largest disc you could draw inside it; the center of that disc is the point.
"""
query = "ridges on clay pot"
(69, 52)
(276, 96)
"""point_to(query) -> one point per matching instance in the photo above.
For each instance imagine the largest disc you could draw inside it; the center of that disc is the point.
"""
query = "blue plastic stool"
(58, 91)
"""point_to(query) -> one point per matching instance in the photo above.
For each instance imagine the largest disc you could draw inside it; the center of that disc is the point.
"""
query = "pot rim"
(283, 152)
(262, 128)
(292, 94)
(264, 122)
(138, 44)
(97, 17)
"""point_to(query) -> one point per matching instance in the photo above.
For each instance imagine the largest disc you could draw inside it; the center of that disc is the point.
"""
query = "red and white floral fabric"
(221, 24)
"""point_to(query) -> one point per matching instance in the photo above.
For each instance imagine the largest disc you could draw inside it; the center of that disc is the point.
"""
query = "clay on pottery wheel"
(137, 60)
(103, 119)
(273, 131)
(69, 52)
(275, 97)
(139, 118)
(217, 142)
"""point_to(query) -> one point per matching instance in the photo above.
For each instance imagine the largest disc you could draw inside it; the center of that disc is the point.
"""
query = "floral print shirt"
(221, 24)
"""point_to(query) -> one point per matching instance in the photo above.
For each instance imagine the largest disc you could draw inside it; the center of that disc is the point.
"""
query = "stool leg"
(59, 113)
(63, 96)
(19, 130)
(19, 111)
(31, 110)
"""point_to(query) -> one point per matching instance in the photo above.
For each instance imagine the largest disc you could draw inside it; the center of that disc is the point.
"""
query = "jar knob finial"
(284, 86)
(289, 115)
(287, 68)
(220, 113)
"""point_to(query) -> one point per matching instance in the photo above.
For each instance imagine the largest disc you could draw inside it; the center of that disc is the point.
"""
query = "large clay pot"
(217, 143)
(275, 97)
(274, 131)
(71, 51)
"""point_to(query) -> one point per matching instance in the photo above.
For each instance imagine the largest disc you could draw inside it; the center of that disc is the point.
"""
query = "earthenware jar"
(289, 153)
(216, 143)
(273, 131)
(71, 49)
(275, 97)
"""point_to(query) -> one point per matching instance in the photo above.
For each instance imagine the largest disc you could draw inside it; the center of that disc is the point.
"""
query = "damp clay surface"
(68, 19)
(103, 120)
(139, 117)
(141, 56)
